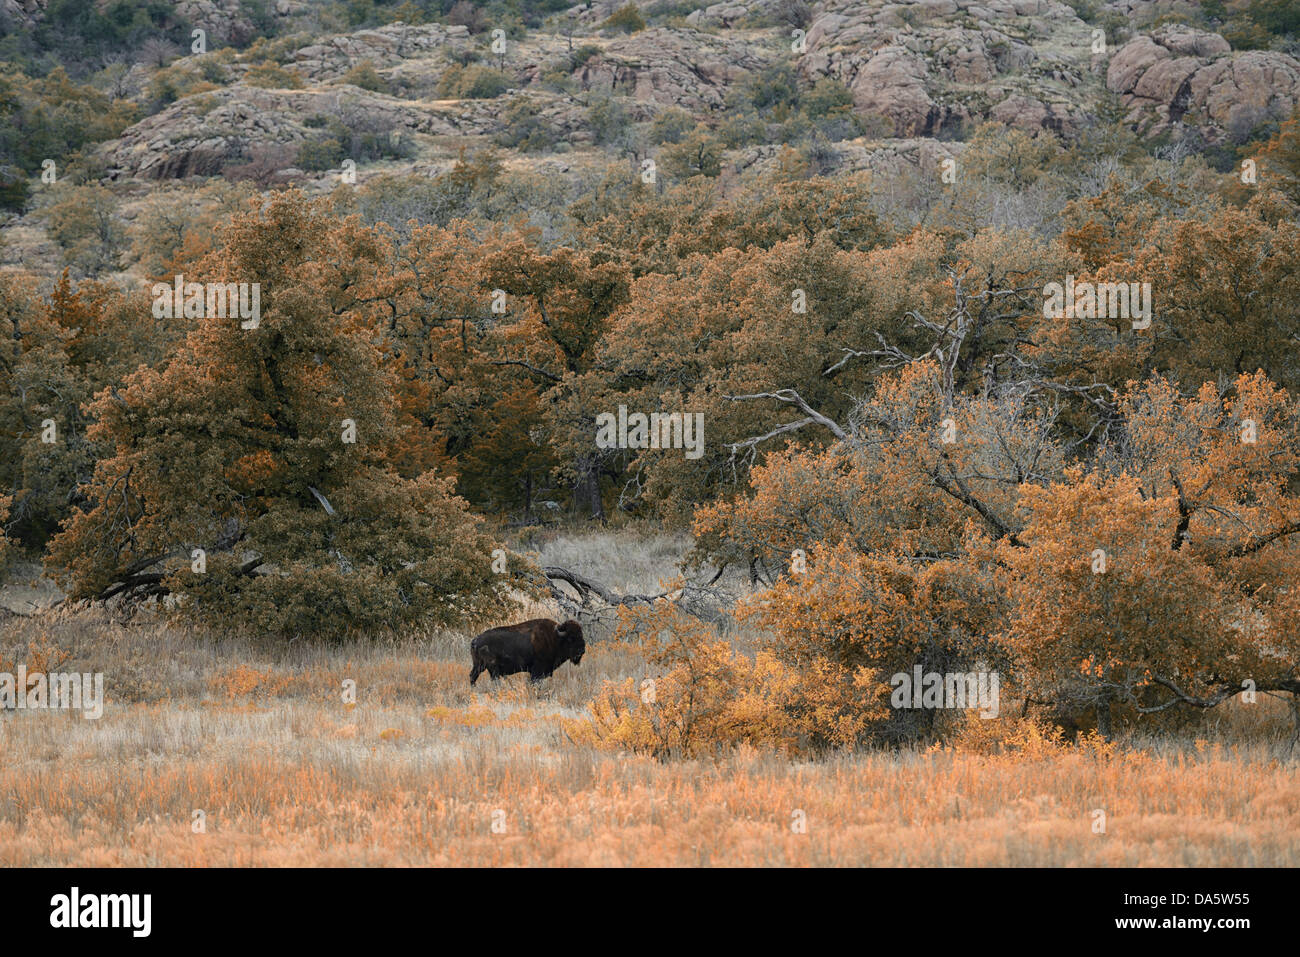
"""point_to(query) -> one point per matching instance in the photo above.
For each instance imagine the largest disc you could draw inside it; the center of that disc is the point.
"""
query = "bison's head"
(571, 644)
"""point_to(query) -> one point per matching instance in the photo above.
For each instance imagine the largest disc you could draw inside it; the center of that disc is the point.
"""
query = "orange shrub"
(710, 696)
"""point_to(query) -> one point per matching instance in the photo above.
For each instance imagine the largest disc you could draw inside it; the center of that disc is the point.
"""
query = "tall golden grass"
(424, 770)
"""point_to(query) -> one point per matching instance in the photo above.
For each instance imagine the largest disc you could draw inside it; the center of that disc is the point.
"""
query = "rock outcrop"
(731, 13)
(386, 48)
(685, 68)
(932, 66)
(224, 21)
(201, 135)
(1178, 75)
(22, 13)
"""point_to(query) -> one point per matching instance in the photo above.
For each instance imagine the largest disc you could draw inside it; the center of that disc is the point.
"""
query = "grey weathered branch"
(586, 587)
(1261, 540)
(890, 355)
(145, 584)
(324, 502)
(693, 598)
(958, 490)
(531, 368)
(1185, 698)
(790, 397)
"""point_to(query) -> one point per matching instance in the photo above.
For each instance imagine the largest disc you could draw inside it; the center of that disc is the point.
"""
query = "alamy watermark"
(658, 430)
(56, 691)
(1101, 300)
(75, 910)
(208, 300)
(936, 689)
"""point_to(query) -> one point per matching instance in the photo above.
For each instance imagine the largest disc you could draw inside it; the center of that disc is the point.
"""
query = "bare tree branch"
(531, 368)
(1262, 540)
(790, 397)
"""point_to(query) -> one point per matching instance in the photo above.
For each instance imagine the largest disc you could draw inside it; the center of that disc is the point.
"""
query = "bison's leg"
(475, 672)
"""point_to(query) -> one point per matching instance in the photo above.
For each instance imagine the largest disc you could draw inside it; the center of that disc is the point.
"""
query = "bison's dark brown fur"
(538, 647)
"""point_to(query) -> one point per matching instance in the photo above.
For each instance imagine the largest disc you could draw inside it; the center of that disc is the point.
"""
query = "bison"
(538, 647)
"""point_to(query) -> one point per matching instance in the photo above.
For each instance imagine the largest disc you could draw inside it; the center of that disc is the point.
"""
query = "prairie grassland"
(425, 770)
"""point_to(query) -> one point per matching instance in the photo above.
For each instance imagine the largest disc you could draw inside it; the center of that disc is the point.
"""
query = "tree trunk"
(1103, 718)
(587, 492)
(593, 493)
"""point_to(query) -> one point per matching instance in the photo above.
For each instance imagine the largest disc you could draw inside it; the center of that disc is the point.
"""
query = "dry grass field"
(424, 770)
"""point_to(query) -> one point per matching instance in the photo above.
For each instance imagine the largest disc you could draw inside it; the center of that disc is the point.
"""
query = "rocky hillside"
(276, 95)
